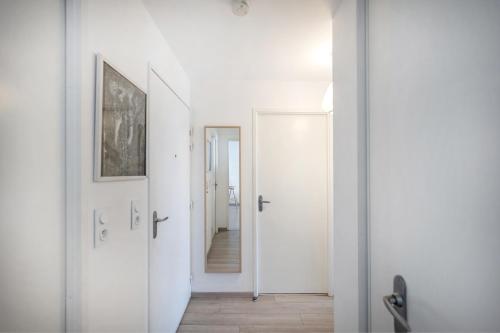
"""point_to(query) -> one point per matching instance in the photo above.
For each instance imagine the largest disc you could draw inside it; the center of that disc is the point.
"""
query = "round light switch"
(103, 234)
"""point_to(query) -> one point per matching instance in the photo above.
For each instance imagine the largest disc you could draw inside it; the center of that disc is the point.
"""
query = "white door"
(170, 288)
(292, 173)
(434, 84)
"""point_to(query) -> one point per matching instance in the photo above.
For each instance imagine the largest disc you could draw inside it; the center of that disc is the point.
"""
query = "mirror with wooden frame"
(222, 199)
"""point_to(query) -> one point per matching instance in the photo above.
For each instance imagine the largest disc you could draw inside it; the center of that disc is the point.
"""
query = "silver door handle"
(397, 304)
(392, 302)
(156, 220)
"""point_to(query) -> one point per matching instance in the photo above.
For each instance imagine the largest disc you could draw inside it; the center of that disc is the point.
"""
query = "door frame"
(73, 167)
(350, 71)
(256, 112)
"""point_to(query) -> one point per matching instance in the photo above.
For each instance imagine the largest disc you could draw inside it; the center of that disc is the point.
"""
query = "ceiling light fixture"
(240, 7)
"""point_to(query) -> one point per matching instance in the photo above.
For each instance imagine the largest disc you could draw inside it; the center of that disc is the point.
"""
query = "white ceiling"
(277, 40)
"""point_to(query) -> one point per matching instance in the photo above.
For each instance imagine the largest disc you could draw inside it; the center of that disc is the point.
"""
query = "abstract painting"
(120, 126)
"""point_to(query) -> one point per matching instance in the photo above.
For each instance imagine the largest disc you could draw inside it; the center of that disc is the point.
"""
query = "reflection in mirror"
(222, 200)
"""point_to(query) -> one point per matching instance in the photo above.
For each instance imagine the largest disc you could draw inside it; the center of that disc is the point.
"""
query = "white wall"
(32, 166)
(231, 103)
(349, 284)
(435, 161)
(115, 284)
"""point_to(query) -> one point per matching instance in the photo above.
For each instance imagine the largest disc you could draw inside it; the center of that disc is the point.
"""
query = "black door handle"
(261, 203)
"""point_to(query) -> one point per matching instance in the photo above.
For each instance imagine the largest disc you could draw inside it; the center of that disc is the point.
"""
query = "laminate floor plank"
(309, 307)
(203, 307)
(292, 298)
(317, 319)
(242, 319)
(208, 329)
(284, 329)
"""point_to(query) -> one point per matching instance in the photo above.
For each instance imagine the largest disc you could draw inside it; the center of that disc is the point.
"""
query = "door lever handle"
(261, 203)
(156, 220)
(397, 305)
(392, 302)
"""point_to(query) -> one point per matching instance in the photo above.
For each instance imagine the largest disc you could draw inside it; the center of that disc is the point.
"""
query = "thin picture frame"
(98, 123)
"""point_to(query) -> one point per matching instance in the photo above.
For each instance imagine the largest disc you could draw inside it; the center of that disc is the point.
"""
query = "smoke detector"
(240, 7)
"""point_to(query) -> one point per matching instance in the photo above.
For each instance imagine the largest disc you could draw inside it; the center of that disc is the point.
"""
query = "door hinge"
(191, 131)
(191, 204)
(191, 147)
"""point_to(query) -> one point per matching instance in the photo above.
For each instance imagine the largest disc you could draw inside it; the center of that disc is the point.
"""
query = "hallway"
(224, 165)
(270, 313)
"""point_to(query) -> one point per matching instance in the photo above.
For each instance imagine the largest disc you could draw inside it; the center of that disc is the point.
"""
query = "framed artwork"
(120, 126)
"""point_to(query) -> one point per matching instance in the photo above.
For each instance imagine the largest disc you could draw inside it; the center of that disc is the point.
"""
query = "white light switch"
(135, 215)
(101, 227)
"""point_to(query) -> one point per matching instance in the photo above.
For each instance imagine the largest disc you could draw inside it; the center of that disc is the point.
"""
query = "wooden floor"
(270, 313)
(224, 255)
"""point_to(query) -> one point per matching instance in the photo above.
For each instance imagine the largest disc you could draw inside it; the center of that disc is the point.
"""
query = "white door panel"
(434, 85)
(292, 174)
(169, 196)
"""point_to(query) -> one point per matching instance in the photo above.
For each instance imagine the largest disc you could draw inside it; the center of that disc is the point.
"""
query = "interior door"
(292, 173)
(169, 196)
(434, 85)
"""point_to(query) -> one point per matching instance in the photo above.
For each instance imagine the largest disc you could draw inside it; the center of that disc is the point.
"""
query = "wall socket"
(135, 214)
(101, 226)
